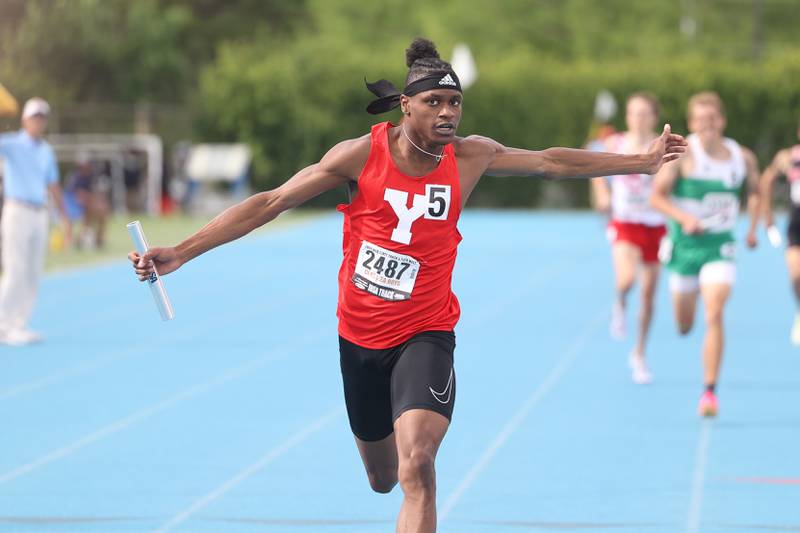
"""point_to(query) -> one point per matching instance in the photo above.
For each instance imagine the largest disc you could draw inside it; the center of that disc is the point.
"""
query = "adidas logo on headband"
(447, 80)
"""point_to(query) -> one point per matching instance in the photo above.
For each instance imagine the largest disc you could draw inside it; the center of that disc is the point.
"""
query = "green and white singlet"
(711, 193)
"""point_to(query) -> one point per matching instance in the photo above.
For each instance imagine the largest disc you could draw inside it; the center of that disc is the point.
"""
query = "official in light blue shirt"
(30, 173)
(29, 167)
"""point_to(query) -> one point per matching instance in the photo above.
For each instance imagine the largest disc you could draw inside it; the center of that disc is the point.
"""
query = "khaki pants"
(23, 230)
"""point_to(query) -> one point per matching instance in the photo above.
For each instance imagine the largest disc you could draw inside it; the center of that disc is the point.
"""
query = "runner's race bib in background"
(635, 194)
(719, 212)
(384, 273)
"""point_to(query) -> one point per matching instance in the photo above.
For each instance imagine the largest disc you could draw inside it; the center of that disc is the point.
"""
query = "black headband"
(389, 96)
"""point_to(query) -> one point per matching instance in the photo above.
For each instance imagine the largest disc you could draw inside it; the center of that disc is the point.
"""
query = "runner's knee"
(713, 317)
(625, 281)
(417, 473)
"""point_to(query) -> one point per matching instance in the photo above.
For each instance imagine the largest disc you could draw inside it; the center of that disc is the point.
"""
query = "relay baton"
(156, 285)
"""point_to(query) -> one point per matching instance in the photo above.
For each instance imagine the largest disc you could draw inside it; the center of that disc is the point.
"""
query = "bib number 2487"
(384, 273)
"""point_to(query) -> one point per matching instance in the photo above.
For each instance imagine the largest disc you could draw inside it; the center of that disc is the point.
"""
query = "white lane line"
(100, 362)
(698, 478)
(186, 394)
(67, 373)
(514, 423)
(537, 278)
(274, 230)
(144, 345)
(268, 458)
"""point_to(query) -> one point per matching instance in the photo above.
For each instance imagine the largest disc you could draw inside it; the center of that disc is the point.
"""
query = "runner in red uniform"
(636, 229)
(382, 269)
(396, 307)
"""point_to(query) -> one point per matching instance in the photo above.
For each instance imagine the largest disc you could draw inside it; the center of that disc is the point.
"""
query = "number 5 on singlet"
(384, 273)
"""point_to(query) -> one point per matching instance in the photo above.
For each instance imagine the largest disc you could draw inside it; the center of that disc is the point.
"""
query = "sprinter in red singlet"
(396, 307)
(636, 229)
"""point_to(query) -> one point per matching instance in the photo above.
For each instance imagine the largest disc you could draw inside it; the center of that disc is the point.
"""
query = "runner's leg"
(649, 277)
(684, 291)
(380, 462)
(649, 281)
(714, 297)
(626, 257)
(419, 433)
(716, 281)
(367, 392)
(423, 397)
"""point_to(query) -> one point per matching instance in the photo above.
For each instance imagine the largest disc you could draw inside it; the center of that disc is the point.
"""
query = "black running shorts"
(380, 385)
(794, 227)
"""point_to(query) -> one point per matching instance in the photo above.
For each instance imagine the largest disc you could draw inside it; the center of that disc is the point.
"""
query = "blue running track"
(231, 417)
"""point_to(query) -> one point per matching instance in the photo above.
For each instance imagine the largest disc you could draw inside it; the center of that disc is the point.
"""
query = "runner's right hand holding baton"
(156, 285)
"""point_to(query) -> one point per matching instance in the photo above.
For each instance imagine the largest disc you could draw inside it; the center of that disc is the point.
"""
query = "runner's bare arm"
(778, 167)
(753, 175)
(554, 163)
(663, 183)
(601, 195)
(340, 165)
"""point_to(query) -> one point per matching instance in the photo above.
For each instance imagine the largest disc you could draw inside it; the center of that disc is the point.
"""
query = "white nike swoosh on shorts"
(448, 390)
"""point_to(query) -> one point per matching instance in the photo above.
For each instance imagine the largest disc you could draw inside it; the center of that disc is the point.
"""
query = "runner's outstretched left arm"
(555, 163)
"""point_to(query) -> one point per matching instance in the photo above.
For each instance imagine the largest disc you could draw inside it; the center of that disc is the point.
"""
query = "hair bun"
(420, 48)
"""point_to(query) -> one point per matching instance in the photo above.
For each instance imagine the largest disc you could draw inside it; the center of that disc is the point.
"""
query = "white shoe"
(616, 327)
(19, 337)
(639, 372)
(795, 337)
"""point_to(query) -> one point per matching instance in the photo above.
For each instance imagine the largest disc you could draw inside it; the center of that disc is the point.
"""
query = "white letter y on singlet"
(406, 217)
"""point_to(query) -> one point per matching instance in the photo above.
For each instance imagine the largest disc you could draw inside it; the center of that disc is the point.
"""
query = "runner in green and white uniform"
(700, 194)
(711, 194)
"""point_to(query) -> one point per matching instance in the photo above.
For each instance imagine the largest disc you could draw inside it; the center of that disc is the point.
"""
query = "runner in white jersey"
(700, 194)
(635, 230)
(787, 163)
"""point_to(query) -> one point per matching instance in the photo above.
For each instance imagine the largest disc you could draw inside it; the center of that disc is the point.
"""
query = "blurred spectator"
(30, 172)
(86, 199)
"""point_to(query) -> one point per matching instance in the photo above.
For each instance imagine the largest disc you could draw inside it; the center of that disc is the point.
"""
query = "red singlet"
(400, 241)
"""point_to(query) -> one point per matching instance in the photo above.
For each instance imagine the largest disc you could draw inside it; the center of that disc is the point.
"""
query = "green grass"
(162, 231)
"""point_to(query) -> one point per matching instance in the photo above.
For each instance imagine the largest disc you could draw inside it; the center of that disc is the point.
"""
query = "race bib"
(384, 273)
(633, 192)
(719, 211)
(637, 201)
